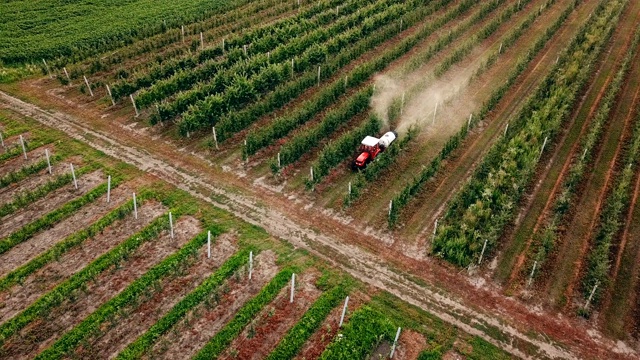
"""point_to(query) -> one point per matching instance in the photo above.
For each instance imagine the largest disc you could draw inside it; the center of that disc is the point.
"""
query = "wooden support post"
(344, 311)
(135, 207)
(215, 137)
(108, 188)
(73, 174)
(67, 74)
(110, 96)
(24, 148)
(88, 86)
(46, 153)
(395, 343)
(133, 102)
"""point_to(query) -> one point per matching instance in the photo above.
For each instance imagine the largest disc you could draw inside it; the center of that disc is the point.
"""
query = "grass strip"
(62, 292)
(142, 344)
(292, 342)
(249, 311)
(131, 295)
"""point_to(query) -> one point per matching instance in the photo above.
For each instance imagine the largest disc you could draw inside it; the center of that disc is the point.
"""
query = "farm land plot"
(170, 152)
(538, 202)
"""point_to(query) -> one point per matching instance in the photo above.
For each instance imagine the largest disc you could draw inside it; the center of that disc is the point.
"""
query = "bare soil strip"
(316, 344)
(33, 156)
(52, 201)
(41, 333)
(19, 297)
(34, 181)
(132, 323)
(462, 164)
(86, 215)
(538, 203)
(201, 324)
(263, 333)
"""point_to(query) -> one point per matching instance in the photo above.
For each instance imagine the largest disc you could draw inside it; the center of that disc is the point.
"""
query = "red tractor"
(370, 147)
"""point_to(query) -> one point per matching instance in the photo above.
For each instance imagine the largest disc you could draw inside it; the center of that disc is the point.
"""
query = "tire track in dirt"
(20, 296)
(191, 334)
(52, 201)
(42, 241)
(133, 322)
(463, 162)
(264, 332)
(584, 223)
(358, 263)
(565, 148)
(42, 332)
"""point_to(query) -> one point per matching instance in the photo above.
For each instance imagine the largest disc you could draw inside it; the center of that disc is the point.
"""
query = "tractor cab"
(369, 149)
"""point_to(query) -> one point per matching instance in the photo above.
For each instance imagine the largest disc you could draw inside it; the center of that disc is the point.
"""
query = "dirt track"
(300, 230)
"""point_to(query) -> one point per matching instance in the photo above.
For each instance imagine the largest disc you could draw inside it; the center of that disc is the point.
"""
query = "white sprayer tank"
(387, 139)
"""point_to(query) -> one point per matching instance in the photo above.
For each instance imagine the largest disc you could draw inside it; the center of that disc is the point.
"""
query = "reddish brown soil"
(261, 336)
(191, 334)
(55, 199)
(18, 162)
(19, 297)
(34, 181)
(134, 321)
(42, 332)
(316, 344)
(409, 345)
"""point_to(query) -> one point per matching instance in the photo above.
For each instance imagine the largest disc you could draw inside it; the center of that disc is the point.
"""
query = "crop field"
(503, 221)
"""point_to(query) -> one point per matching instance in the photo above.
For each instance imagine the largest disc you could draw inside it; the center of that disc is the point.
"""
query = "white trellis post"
(434, 114)
(88, 86)
(46, 153)
(109, 188)
(293, 286)
(395, 343)
(469, 122)
(344, 311)
(73, 174)
(2, 141)
(584, 153)
(134, 105)
(67, 74)
(500, 50)
(292, 68)
(215, 137)
(47, 67)
(24, 149)
(201, 40)
(110, 96)
(484, 247)
(244, 48)
(401, 24)
(268, 57)
(209, 244)
(402, 104)
(223, 45)
(171, 223)
(586, 305)
(390, 207)
(346, 83)
(543, 145)
(435, 227)
(318, 75)
(533, 270)
(250, 264)
(135, 207)
(311, 173)
(182, 31)
(506, 128)
(279, 164)
(349, 188)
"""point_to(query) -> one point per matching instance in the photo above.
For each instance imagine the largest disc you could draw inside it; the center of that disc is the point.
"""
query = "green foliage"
(223, 338)
(54, 253)
(342, 148)
(25, 172)
(487, 203)
(143, 343)
(53, 217)
(62, 292)
(292, 342)
(365, 329)
(92, 324)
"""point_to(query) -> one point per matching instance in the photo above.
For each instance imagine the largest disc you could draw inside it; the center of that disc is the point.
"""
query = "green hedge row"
(365, 329)
(298, 145)
(91, 325)
(18, 275)
(142, 344)
(50, 219)
(488, 201)
(62, 292)
(402, 200)
(243, 317)
(545, 239)
(292, 342)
